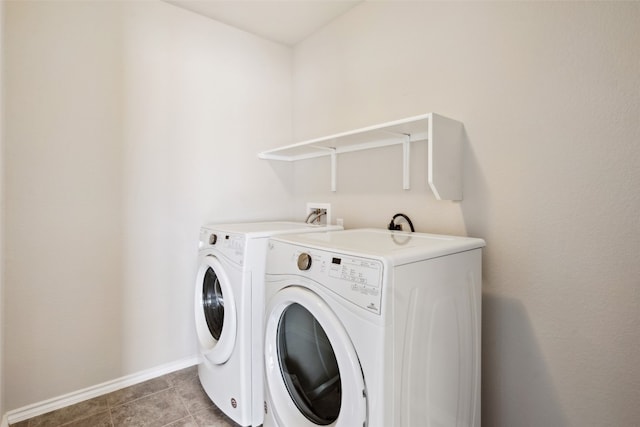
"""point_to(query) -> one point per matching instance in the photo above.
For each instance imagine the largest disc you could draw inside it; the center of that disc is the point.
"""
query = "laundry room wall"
(2, 392)
(202, 99)
(62, 168)
(129, 124)
(548, 94)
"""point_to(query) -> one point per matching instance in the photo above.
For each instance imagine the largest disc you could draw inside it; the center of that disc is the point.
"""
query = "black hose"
(394, 226)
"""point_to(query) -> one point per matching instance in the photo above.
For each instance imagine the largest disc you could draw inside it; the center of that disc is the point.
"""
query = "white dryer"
(229, 307)
(372, 328)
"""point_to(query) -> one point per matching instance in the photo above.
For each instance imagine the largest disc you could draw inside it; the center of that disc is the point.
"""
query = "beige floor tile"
(193, 395)
(155, 410)
(102, 419)
(212, 417)
(177, 377)
(137, 391)
(185, 422)
(71, 413)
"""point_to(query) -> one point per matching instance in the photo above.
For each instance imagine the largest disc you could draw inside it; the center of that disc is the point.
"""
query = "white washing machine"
(229, 307)
(372, 328)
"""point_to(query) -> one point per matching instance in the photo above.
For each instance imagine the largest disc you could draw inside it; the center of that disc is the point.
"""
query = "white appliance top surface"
(269, 228)
(396, 246)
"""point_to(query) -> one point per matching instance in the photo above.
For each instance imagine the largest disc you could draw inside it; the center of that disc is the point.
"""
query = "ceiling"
(282, 21)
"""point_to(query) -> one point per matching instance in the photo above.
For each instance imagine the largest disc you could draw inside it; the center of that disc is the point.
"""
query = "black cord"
(394, 226)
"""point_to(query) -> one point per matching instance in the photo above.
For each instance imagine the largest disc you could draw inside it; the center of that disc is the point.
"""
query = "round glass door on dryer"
(215, 308)
(313, 375)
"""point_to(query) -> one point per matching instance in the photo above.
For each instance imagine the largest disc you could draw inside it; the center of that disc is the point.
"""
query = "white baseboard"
(72, 398)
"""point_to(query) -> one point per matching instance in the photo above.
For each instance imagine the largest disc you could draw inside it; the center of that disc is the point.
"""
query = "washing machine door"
(313, 375)
(215, 310)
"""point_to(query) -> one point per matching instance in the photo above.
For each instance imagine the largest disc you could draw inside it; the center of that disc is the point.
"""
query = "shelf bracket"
(406, 156)
(334, 168)
(445, 141)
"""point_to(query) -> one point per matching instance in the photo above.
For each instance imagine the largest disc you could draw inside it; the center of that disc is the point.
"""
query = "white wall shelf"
(443, 135)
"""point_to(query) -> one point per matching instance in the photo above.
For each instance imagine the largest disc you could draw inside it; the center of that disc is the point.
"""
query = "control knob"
(304, 261)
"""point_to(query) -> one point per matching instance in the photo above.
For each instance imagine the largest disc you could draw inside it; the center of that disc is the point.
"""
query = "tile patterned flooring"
(173, 400)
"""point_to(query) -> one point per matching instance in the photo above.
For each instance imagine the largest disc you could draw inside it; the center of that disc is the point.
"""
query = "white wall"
(128, 125)
(549, 95)
(201, 101)
(63, 212)
(2, 391)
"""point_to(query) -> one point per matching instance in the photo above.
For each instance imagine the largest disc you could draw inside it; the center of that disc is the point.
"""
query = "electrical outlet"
(319, 213)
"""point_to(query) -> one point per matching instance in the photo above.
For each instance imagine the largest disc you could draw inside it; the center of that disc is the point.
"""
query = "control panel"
(227, 244)
(357, 279)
